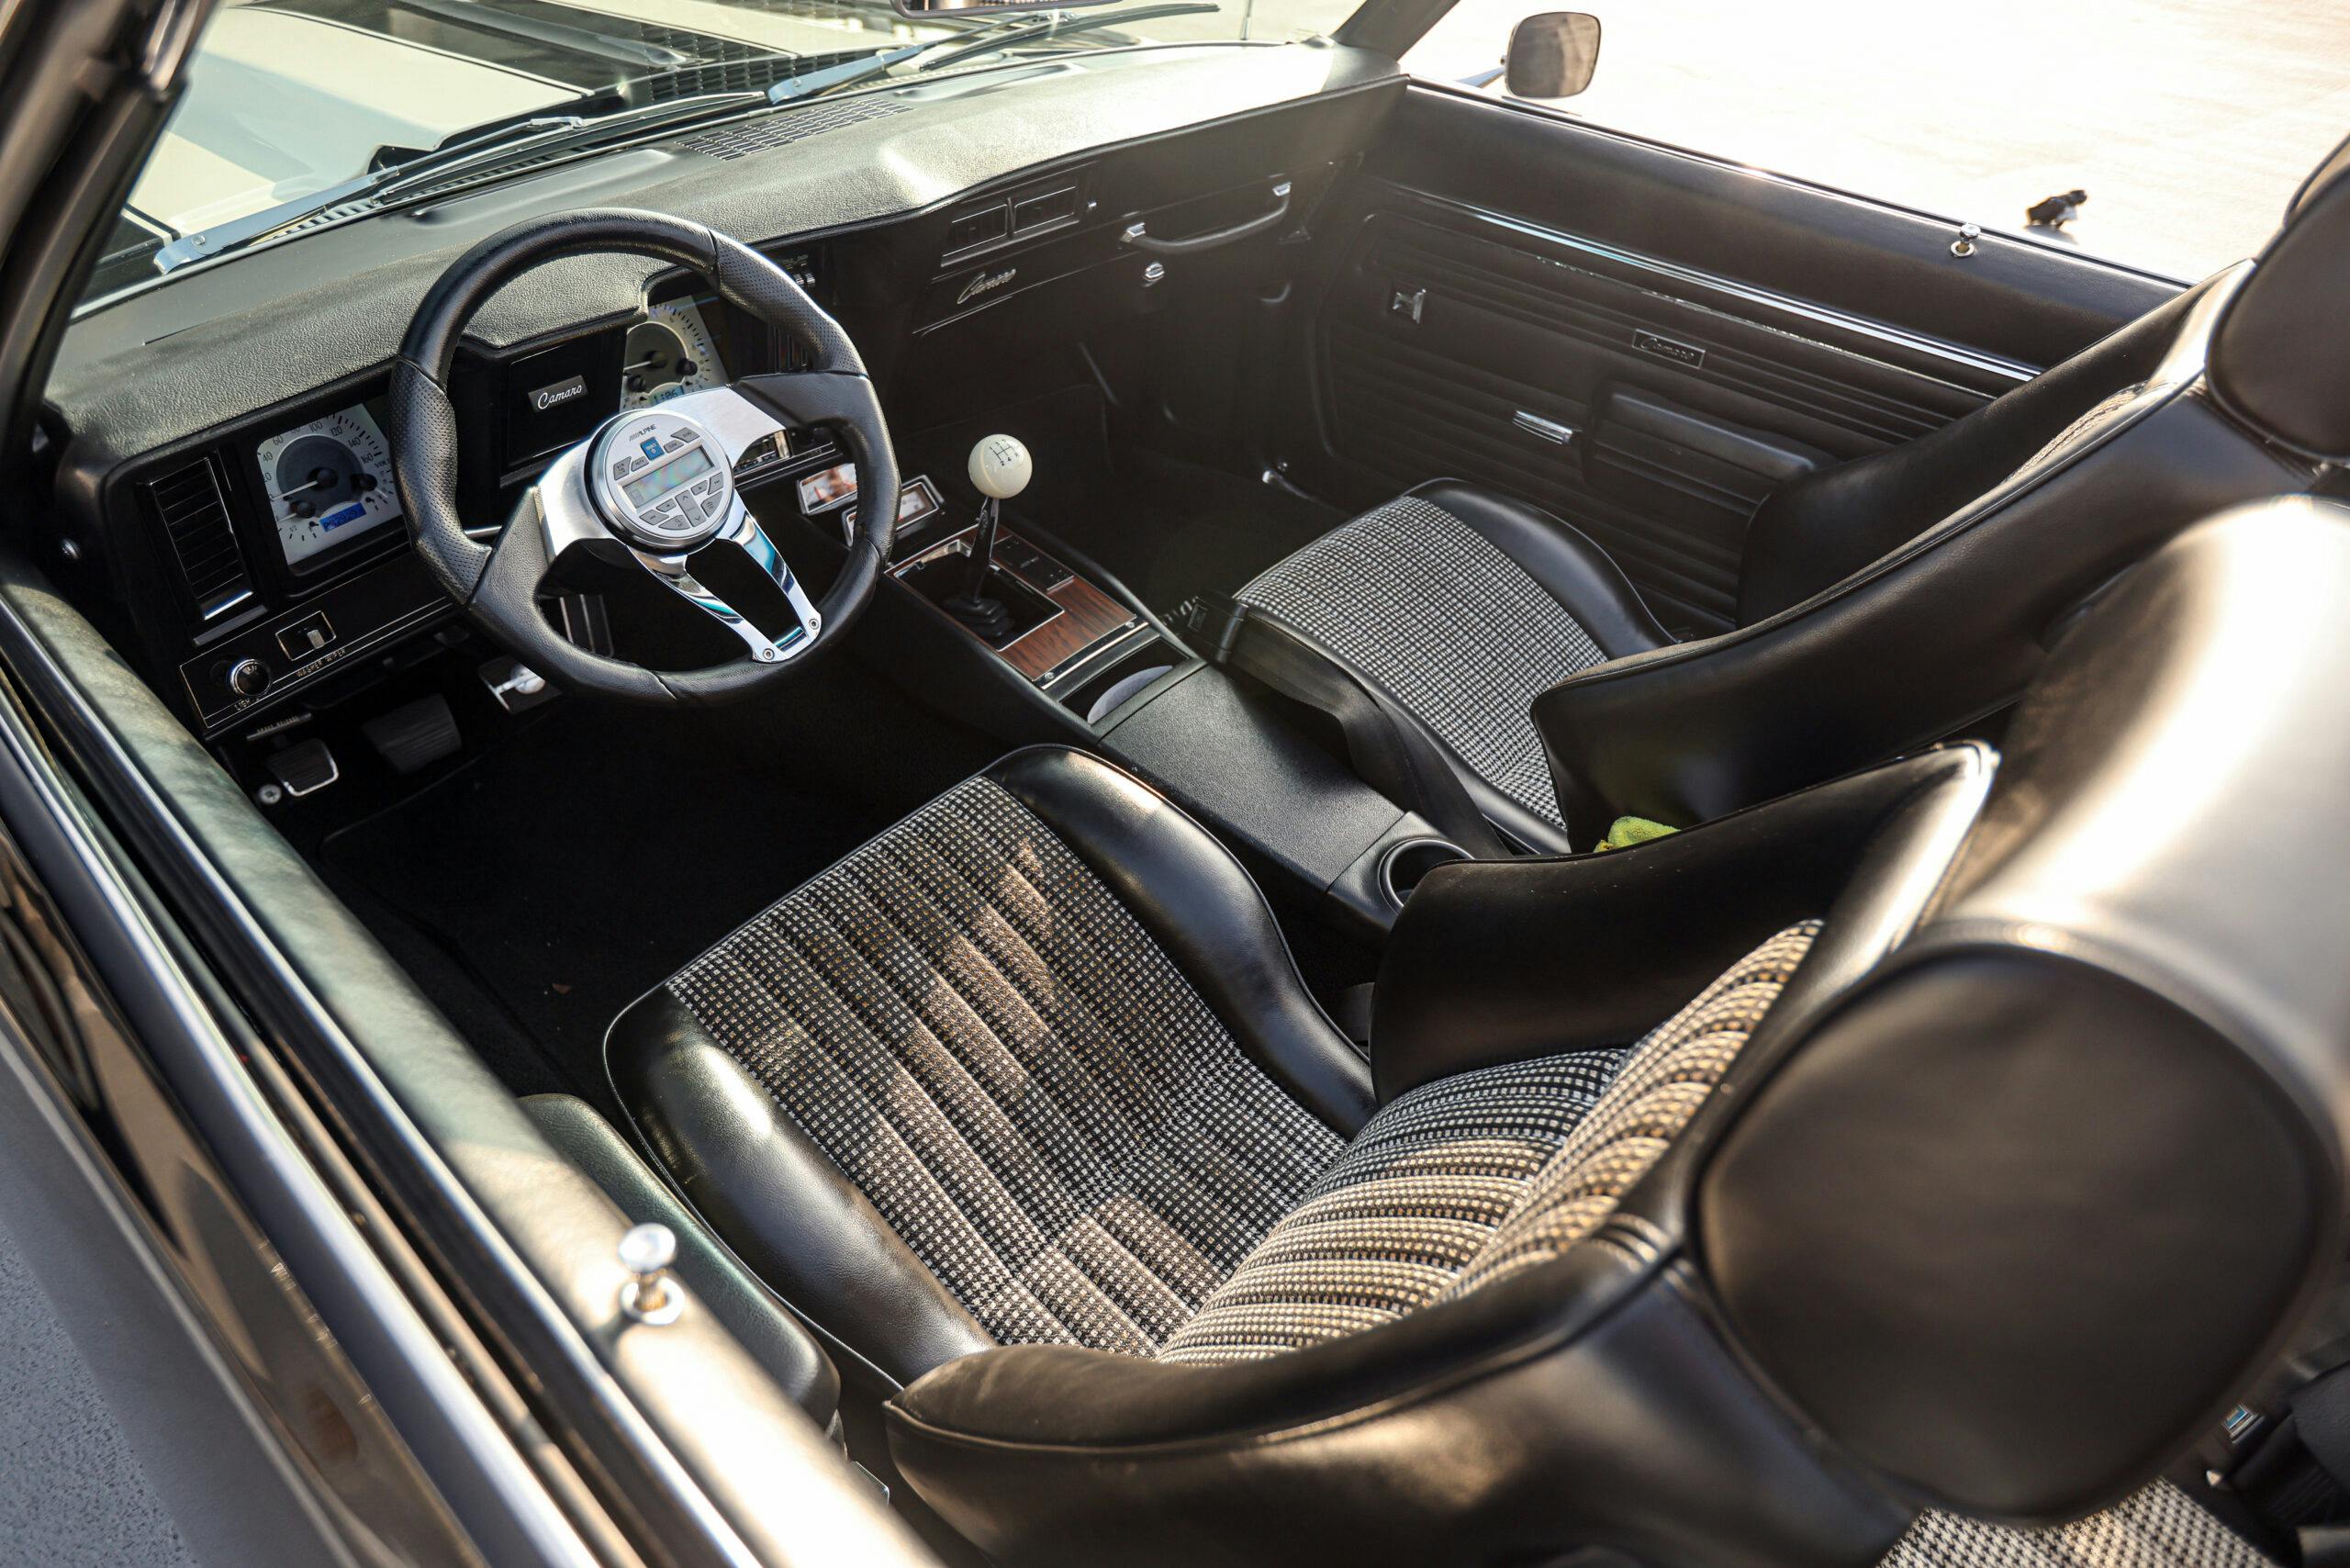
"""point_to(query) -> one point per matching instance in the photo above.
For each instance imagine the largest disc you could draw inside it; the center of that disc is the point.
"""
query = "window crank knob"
(651, 1296)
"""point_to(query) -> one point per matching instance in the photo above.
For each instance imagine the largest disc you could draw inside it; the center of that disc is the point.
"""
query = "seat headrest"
(2280, 354)
(2021, 1215)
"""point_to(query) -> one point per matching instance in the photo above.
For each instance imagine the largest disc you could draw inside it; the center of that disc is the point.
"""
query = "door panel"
(1647, 343)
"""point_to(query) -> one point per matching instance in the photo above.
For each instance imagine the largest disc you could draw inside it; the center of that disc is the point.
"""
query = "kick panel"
(1602, 388)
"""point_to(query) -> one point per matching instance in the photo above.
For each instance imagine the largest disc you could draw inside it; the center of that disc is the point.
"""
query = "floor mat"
(537, 891)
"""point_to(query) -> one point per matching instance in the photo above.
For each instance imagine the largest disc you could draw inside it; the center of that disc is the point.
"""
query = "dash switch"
(307, 638)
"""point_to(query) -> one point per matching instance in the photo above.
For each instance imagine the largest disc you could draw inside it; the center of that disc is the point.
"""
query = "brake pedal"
(304, 768)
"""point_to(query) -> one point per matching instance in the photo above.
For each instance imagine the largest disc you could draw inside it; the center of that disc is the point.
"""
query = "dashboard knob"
(1000, 467)
(248, 677)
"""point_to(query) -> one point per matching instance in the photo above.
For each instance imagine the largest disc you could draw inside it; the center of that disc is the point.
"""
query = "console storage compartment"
(1237, 758)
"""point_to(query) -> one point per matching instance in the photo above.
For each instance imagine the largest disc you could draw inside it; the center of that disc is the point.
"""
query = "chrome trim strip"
(1112, 646)
(1932, 348)
(1486, 101)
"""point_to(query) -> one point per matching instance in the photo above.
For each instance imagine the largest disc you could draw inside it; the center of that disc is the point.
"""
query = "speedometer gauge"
(669, 354)
(328, 481)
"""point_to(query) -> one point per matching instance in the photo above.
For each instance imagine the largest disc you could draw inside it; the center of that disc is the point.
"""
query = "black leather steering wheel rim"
(500, 586)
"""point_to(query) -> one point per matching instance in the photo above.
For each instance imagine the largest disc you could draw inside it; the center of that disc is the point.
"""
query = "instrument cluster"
(328, 481)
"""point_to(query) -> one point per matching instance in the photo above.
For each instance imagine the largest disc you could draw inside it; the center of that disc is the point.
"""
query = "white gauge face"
(670, 352)
(328, 481)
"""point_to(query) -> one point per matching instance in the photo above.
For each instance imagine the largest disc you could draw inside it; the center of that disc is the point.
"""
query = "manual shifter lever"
(1001, 468)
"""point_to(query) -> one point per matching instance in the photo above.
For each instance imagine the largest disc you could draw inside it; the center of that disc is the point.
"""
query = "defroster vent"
(194, 516)
(786, 126)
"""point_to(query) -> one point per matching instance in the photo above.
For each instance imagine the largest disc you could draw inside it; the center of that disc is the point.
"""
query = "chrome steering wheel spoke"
(743, 532)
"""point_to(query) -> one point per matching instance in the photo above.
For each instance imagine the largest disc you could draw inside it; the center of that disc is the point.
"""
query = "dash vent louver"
(194, 516)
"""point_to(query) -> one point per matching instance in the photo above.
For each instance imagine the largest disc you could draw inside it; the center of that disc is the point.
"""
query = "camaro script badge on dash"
(546, 397)
(986, 283)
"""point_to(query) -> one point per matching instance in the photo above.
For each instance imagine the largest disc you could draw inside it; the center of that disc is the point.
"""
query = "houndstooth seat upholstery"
(1464, 607)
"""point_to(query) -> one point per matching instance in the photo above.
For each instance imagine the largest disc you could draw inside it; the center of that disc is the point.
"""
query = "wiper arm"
(985, 41)
(528, 138)
(1021, 30)
(792, 89)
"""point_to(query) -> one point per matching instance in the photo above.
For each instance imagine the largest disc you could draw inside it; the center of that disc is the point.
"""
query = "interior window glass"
(2189, 123)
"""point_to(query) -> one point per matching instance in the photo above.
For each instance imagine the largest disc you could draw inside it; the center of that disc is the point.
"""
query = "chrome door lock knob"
(647, 1252)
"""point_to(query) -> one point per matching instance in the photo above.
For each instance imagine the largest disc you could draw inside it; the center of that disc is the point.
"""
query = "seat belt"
(1389, 748)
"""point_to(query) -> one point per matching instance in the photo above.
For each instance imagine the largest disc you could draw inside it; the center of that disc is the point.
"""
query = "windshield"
(295, 104)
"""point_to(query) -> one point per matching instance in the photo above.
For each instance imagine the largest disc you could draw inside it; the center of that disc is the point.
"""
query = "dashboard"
(250, 543)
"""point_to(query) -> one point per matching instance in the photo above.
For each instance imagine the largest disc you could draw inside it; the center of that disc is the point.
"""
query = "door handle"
(1137, 234)
(1541, 429)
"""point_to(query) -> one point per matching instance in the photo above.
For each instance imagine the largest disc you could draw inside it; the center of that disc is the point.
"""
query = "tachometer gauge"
(328, 481)
(670, 352)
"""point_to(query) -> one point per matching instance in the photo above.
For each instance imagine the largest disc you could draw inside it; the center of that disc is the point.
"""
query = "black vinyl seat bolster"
(2124, 1018)
(1201, 906)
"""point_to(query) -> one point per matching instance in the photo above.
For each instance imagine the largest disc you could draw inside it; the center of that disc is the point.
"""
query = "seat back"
(2022, 1214)
(2277, 363)
(1816, 530)
(1879, 618)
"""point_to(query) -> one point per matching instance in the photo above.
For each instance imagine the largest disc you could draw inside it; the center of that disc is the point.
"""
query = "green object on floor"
(1625, 832)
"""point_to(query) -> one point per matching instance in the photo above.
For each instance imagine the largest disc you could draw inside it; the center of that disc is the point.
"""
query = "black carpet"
(1168, 529)
(538, 890)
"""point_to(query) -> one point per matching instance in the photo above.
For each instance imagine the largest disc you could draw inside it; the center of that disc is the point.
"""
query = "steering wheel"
(654, 486)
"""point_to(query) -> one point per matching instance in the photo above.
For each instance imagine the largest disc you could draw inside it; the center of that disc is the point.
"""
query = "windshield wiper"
(520, 139)
(1008, 34)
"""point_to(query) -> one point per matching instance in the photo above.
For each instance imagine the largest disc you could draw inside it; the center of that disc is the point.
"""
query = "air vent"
(787, 125)
(195, 518)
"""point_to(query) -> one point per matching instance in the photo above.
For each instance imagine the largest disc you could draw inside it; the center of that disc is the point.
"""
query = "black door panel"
(1652, 399)
(1509, 324)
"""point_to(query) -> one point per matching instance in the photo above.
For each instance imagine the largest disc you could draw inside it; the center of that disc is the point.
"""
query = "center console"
(1063, 632)
(1238, 756)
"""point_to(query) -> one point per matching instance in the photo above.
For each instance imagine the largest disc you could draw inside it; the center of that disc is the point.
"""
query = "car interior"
(1286, 814)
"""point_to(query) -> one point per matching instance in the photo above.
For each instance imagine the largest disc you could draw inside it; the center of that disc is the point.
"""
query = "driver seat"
(1024, 1107)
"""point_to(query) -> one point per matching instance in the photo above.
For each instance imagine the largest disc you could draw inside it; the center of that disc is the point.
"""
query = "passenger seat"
(1884, 603)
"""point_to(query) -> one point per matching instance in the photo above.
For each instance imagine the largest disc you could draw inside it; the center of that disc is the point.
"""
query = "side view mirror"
(1553, 55)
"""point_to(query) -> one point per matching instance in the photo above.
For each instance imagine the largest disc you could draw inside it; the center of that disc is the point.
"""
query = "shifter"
(1001, 468)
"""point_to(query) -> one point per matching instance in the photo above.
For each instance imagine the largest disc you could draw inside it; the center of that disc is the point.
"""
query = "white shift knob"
(1000, 467)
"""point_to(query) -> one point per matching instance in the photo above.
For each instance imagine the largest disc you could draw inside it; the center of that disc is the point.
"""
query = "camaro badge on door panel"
(1666, 347)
